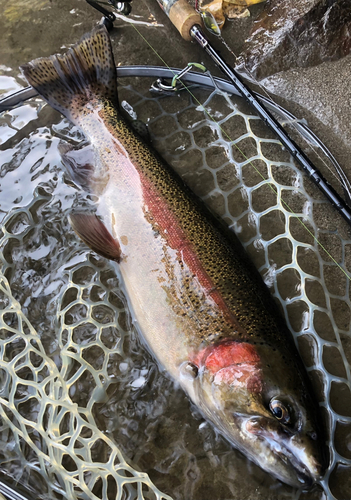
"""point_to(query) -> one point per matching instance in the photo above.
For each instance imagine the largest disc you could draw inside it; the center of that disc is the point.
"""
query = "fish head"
(259, 399)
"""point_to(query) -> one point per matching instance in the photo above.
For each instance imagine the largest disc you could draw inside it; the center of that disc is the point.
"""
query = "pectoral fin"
(79, 163)
(94, 234)
(84, 167)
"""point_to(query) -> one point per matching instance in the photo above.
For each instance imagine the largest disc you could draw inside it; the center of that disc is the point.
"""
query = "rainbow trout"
(201, 306)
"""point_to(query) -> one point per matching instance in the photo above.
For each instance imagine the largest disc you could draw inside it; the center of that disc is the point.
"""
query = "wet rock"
(297, 33)
(321, 95)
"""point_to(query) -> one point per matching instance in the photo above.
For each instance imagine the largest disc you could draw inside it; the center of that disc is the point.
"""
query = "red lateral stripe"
(167, 223)
(171, 230)
(177, 239)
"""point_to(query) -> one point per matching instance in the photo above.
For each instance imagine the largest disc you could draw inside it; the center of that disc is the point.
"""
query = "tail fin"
(68, 82)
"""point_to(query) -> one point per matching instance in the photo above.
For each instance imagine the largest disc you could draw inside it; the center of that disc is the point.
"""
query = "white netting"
(45, 426)
(82, 370)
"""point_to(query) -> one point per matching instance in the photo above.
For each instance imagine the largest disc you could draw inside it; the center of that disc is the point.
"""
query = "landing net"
(83, 406)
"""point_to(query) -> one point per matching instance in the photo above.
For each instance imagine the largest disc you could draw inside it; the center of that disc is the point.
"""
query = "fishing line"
(291, 123)
(275, 191)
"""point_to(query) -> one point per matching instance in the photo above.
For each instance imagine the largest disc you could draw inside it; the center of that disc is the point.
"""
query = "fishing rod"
(188, 22)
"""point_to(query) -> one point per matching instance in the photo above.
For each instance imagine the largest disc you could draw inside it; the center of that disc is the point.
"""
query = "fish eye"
(279, 411)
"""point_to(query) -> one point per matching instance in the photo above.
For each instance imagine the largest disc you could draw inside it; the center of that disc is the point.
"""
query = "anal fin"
(94, 234)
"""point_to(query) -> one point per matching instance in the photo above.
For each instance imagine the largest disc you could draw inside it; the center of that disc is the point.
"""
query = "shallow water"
(75, 301)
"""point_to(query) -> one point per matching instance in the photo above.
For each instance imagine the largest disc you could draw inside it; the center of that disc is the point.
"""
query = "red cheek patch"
(234, 363)
(230, 353)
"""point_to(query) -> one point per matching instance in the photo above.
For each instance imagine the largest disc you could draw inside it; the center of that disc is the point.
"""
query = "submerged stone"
(296, 33)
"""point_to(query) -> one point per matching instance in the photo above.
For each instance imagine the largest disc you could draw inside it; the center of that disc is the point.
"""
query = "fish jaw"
(235, 392)
(292, 457)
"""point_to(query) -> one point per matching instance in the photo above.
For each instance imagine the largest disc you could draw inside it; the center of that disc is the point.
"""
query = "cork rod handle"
(182, 15)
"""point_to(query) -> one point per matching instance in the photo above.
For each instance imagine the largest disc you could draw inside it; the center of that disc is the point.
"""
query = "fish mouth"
(298, 468)
(304, 476)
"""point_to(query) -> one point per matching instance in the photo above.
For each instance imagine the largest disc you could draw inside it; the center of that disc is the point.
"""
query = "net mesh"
(47, 429)
(71, 368)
